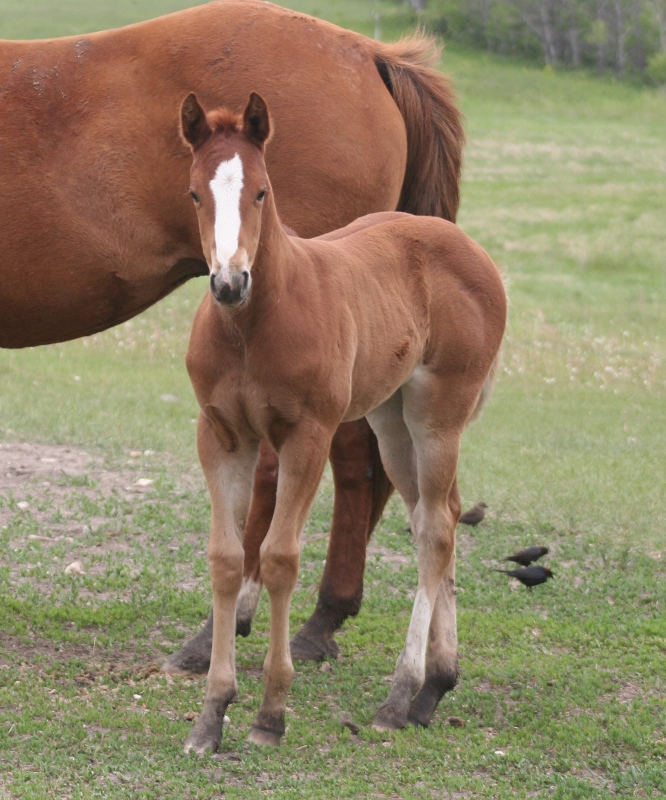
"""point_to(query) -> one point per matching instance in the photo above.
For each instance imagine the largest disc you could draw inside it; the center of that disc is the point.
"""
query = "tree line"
(627, 37)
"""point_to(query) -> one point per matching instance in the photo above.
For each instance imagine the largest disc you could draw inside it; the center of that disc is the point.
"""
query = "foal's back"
(416, 291)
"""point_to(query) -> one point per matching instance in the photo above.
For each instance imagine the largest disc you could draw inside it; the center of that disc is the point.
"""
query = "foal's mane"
(225, 121)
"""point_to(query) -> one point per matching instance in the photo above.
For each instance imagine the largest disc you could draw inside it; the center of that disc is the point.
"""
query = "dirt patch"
(41, 479)
(63, 510)
(28, 652)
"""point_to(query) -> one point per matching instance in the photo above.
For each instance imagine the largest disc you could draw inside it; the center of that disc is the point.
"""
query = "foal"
(396, 318)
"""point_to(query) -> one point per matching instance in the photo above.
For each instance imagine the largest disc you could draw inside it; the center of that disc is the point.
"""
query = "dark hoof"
(201, 745)
(424, 703)
(243, 627)
(206, 734)
(306, 646)
(190, 665)
(193, 659)
(389, 718)
(264, 738)
(419, 717)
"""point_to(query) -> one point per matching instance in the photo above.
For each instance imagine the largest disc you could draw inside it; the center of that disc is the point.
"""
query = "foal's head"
(228, 184)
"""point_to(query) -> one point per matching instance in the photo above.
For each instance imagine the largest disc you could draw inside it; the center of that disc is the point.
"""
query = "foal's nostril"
(246, 279)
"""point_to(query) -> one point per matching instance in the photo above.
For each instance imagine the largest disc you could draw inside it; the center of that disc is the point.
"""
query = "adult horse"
(96, 223)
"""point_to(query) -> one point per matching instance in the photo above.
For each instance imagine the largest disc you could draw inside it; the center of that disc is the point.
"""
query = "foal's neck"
(273, 267)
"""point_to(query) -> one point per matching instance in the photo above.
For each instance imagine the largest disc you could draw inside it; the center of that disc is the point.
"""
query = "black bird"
(474, 515)
(529, 576)
(527, 556)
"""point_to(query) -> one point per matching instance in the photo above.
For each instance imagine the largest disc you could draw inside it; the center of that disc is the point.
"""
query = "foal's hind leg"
(442, 658)
(436, 444)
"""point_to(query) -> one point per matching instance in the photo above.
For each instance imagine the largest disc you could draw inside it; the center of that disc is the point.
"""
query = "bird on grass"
(474, 515)
(527, 556)
(529, 576)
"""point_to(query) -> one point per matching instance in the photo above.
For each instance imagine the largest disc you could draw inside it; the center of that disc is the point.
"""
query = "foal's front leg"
(229, 478)
(302, 457)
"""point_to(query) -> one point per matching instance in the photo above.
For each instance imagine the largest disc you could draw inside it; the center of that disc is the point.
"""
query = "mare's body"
(96, 225)
(397, 318)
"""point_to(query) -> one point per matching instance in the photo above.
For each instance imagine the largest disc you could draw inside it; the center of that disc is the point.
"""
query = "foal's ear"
(256, 122)
(194, 126)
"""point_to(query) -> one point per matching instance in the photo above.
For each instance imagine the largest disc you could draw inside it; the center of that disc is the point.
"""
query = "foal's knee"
(279, 566)
(226, 568)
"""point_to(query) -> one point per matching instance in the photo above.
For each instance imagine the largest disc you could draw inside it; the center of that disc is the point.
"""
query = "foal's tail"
(435, 136)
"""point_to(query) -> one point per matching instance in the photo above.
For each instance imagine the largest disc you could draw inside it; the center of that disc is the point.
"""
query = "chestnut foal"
(396, 318)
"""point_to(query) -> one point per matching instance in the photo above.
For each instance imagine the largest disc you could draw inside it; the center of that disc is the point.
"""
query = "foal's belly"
(374, 385)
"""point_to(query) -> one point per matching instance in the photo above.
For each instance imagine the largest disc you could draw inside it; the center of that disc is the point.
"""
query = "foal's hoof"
(206, 734)
(200, 746)
(388, 718)
(201, 743)
(243, 627)
(305, 646)
(264, 738)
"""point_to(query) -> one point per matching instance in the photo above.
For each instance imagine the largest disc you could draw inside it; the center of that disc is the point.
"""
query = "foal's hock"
(396, 318)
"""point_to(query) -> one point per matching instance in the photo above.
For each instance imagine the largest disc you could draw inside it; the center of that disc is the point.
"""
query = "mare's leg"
(229, 479)
(302, 460)
(258, 523)
(435, 426)
(193, 658)
(361, 492)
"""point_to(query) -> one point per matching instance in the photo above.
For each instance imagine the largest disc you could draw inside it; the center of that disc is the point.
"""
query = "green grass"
(562, 689)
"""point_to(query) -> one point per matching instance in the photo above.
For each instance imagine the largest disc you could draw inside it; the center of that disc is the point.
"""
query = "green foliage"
(656, 70)
(621, 36)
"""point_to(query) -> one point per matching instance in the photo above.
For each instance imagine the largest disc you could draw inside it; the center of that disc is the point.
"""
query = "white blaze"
(226, 188)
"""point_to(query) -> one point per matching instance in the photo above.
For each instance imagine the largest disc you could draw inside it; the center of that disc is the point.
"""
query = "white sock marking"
(413, 657)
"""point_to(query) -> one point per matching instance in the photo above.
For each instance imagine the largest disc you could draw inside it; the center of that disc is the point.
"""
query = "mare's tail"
(435, 136)
(435, 140)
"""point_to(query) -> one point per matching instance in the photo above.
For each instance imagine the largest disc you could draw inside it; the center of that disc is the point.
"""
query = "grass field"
(562, 689)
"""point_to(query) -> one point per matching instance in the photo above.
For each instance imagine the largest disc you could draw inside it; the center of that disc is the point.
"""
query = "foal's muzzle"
(235, 293)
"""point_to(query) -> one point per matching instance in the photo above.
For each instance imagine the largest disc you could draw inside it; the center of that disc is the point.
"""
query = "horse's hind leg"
(442, 657)
(361, 491)
(434, 516)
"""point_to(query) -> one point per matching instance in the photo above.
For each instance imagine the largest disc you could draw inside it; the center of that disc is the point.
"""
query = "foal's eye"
(194, 197)
(261, 195)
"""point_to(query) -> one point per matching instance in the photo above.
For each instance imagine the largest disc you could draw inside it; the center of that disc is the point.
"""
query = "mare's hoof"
(264, 738)
(187, 663)
(193, 659)
(312, 647)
